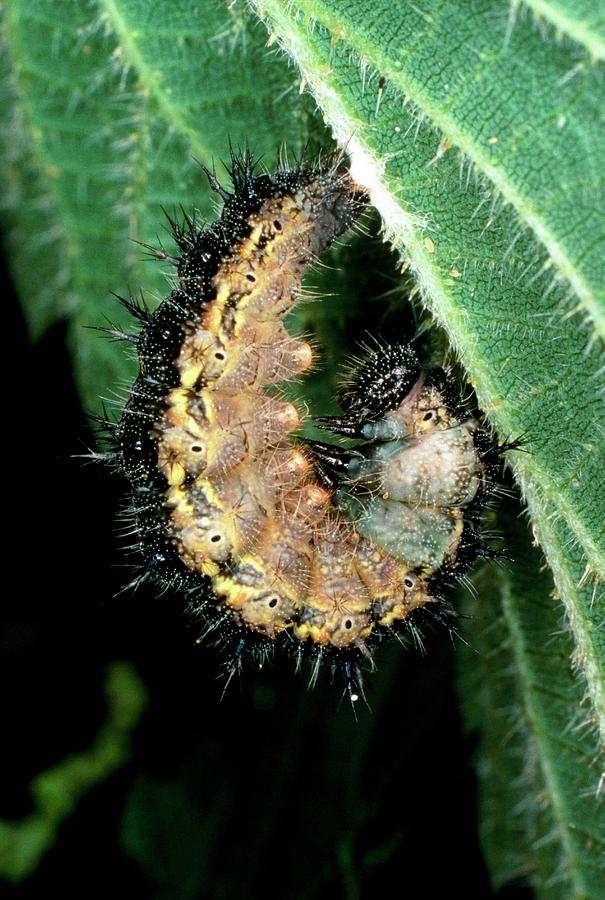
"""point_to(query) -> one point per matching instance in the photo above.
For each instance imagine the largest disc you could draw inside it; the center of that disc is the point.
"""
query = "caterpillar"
(324, 549)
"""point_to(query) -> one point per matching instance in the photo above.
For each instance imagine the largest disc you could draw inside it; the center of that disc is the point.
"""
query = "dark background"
(275, 790)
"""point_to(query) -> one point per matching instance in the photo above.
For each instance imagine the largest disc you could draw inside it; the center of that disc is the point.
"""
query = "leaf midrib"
(563, 816)
(576, 30)
(150, 82)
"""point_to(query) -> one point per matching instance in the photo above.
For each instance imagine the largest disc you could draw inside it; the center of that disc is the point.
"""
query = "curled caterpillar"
(320, 548)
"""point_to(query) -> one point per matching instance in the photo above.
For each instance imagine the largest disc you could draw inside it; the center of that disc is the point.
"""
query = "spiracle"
(324, 549)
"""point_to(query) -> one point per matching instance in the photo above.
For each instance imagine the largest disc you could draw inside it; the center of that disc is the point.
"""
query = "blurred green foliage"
(56, 791)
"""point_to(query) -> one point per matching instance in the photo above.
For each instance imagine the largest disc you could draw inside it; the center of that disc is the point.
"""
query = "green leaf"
(107, 105)
(520, 108)
(482, 147)
(541, 798)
